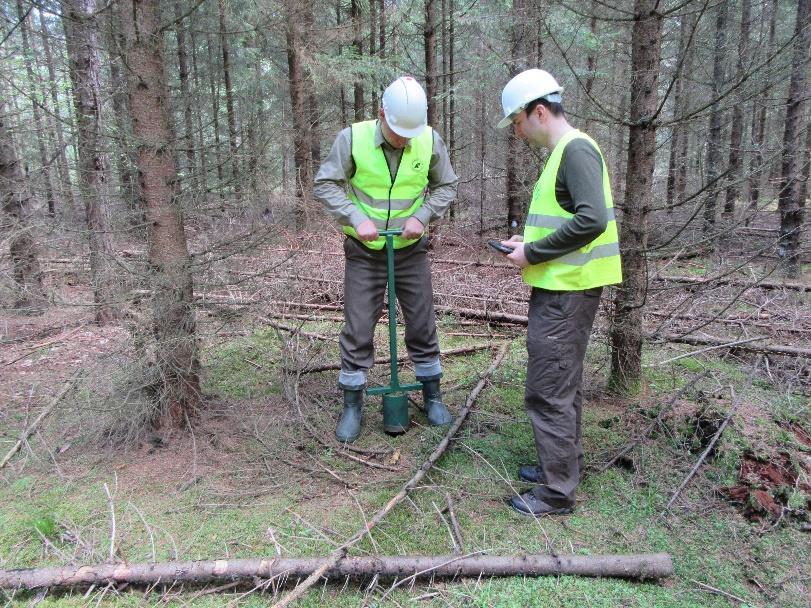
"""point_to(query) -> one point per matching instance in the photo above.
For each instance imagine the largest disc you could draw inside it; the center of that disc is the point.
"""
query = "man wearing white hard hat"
(568, 252)
(384, 174)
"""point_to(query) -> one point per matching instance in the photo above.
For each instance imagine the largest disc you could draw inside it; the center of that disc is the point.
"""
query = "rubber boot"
(348, 428)
(435, 409)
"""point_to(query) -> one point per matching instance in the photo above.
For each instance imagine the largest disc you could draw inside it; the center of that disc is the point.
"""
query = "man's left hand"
(413, 229)
(517, 257)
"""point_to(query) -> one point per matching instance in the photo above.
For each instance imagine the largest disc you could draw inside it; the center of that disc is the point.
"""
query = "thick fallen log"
(643, 566)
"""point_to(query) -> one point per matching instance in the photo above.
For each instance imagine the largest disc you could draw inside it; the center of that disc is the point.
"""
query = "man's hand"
(517, 257)
(413, 229)
(367, 231)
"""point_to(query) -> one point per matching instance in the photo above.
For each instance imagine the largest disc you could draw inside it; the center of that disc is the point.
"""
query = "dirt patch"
(766, 486)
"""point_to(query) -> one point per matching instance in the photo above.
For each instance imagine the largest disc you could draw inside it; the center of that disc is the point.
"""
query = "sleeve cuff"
(423, 215)
(357, 217)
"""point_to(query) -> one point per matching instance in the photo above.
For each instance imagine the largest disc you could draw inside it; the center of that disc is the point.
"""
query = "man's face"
(530, 127)
(396, 141)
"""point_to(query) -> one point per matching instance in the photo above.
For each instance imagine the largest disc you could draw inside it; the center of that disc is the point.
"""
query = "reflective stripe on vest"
(388, 204)
(594, 265)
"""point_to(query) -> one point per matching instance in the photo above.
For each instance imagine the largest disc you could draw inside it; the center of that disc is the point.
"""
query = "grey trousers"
(559, 326)
(364, 297)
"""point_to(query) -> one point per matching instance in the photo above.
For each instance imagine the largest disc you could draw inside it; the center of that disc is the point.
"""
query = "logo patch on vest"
(416, 164)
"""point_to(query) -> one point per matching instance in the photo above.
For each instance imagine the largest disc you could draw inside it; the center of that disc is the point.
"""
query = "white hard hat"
(405, 107)
(527, 86)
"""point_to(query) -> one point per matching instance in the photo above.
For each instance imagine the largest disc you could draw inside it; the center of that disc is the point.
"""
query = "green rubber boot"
(348, 428)
(435, 409)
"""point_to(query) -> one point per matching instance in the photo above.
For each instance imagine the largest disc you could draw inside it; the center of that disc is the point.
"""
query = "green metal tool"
(395, 400)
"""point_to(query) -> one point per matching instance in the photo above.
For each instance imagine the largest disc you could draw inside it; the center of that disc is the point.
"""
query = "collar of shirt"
(381, 141)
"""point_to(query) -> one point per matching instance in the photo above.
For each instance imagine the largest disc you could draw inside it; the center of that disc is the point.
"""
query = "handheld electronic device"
(499, 247)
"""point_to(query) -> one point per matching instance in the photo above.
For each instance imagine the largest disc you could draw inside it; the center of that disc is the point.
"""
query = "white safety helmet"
(405, 107)
(527, 86)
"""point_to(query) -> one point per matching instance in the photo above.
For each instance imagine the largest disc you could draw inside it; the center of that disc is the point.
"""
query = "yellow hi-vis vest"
(388, 204)
(596, 264)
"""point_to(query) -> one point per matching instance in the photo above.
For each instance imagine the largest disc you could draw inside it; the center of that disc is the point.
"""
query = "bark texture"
(177, 363)
(629, 299)
(16, 201)
(790, 203)
(643, 566)
(83, 45)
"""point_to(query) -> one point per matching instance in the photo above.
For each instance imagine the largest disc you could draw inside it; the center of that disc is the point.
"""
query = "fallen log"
(730, 281)
(462, 350)
(643, 566)
(776, 349)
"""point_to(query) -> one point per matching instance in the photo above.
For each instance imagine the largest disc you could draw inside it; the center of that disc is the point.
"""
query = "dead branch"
(462, 350)
(776, 349)
(340, 553)
(725, 281)
(296, 330)
(640, 566)
(32, 427)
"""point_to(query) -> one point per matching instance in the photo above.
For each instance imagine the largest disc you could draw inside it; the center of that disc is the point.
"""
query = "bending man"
(389, 173)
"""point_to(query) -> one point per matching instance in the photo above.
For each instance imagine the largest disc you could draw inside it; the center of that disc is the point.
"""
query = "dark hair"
(555, 107)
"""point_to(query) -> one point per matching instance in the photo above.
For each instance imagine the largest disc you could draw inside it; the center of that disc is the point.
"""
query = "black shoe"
(528, 504)
(531, 473)
(348, 429)
(435, 410)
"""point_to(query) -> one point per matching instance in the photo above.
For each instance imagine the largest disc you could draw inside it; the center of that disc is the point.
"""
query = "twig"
(148, 528)
(341, 551)
(457, 530)
(27, 432)
(448, 526)
(112, 520)
(719, 591)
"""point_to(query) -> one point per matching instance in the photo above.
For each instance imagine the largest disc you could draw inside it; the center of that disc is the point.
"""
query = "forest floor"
(252, 480)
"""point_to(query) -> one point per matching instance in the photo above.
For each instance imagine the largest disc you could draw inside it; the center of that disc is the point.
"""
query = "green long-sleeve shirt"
(579, 190)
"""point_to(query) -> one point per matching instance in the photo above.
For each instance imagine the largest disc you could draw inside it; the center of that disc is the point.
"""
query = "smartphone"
(499, 247)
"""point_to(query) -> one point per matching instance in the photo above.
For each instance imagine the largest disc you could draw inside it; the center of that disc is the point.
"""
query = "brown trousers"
(559, 326)
(364, 297)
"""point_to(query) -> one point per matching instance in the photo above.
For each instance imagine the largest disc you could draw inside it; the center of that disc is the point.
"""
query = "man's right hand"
(367, 231)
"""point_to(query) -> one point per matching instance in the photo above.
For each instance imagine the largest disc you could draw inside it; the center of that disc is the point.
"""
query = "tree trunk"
(451, 140)
(16, 201)
(759, 119)
(185, 97)
(312, 103)
(83, 44)
(338, 22)
(177, 361)
(591, 71)
(640, 566)
(356, 14)
(736, 133)
(34, 88)
(229, 102)
(62, 159)
(714, 144)
(790, 205)
(201, 140)
(126, 155)
(302, 146)
(519, 161)
(214, 89)
(429, 43)
(629, 298)
(677, 162)
(372, 50)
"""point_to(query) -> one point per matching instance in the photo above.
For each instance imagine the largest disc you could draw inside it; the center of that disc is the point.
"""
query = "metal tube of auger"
(395, 383)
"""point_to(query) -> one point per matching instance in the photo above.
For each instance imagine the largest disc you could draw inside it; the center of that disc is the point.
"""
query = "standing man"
(569, 251)
(384, 174)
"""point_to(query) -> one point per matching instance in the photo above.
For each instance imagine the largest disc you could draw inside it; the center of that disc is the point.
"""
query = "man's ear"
(380, 114)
